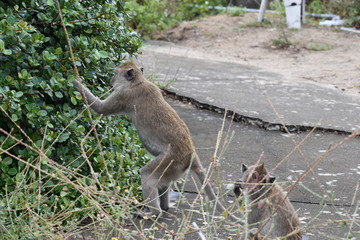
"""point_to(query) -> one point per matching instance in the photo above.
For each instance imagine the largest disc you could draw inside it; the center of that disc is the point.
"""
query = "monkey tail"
(199, 170)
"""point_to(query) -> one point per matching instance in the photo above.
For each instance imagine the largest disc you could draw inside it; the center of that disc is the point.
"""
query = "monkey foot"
(146, 214)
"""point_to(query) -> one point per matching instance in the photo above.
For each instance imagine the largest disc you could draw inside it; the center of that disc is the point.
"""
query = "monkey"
(270, 210)
(162, 132)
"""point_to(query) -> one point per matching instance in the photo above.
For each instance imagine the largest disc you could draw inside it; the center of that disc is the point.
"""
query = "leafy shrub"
(316, 6)
(347, 9)
(151, 16)
(343, 8)
(40, 107)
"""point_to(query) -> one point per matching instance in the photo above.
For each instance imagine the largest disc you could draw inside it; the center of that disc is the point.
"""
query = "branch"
(68, 41)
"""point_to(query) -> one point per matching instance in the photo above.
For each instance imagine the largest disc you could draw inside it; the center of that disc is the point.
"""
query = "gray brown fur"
(160, 129)
(269, 209)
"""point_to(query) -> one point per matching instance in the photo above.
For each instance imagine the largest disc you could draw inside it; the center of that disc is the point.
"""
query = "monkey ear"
(272, 179)
(142, 70)
(244, 168)
(130, 75)
(262, 167)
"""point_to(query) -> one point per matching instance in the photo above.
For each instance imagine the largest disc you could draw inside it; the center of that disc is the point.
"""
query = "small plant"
(166, 83)
(281, 43)
(237, 12)
(318, 46)
(283, 34)
(265, 23)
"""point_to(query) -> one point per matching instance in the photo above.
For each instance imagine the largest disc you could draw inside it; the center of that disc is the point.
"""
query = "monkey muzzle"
(242, 187)
(238, 188)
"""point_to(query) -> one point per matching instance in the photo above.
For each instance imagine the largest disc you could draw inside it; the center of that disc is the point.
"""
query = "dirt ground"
(325, 55)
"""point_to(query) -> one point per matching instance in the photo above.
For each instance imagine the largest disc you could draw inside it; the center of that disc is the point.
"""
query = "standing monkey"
(160, 129)
(270, 209)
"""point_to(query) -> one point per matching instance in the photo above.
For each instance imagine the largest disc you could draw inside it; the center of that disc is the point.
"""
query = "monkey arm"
(104, 107)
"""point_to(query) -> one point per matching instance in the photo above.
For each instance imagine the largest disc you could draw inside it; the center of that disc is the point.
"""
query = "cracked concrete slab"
(327, 200)
(246, 143)
(250, 91)
(329, 193)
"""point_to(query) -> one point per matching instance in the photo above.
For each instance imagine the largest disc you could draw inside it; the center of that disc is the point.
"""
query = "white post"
(293, 13)
(264, 4)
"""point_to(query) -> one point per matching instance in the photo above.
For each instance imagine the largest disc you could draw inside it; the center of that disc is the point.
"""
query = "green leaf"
(50, 2)
(7, 161)
(58, 51)
(14, 117)
(71, 78)
(63, 137)
(103, 54)
(72, 112)
(23, 74)
(42, 113)
(12, 171)
(100, 54)
(73, 100)
(19, 94)
(58, 94)
(2, 45)
(81, 128)
(7, 52)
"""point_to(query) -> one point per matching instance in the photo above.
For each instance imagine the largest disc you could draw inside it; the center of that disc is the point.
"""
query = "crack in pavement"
(236, 117)
(293, 201)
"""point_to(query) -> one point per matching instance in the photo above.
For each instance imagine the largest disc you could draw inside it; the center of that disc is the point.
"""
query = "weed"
(265, 23)
(281, 43)
(318, 46)
(166, 83)
(237, 12)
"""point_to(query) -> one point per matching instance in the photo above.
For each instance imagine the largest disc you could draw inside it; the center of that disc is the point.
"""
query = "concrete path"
(327, 159)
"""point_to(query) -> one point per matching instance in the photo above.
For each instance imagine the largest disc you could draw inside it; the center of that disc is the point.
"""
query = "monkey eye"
(130, 75)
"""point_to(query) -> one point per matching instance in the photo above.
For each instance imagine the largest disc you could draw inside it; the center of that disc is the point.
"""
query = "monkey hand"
(77, 85)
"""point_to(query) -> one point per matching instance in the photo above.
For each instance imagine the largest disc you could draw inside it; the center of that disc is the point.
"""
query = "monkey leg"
(151, 194)
(156, 177)
(151, 183)
(164, 198)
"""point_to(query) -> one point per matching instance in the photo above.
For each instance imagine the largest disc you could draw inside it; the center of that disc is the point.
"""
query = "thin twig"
(68, 41)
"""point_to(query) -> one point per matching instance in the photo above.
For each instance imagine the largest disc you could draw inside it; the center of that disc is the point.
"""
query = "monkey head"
(127, 75)
(253, 180)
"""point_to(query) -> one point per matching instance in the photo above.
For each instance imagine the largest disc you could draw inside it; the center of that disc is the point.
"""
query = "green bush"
(344, 8)
(40, 107)
(347, 9)
(148, 17)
